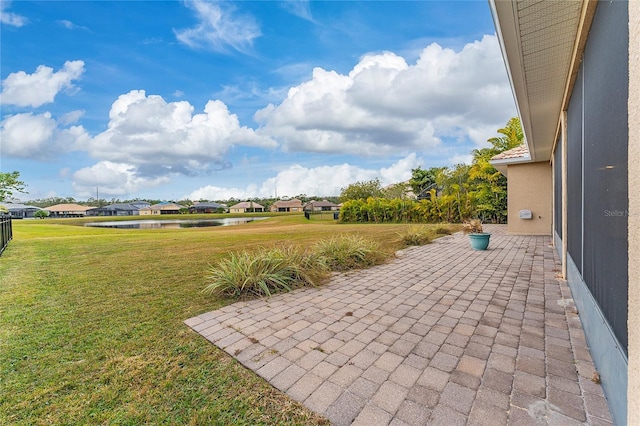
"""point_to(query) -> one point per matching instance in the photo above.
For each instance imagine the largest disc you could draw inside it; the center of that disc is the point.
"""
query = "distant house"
(161, 208)
(115, 210)
(293, 205)
(246, 207)
(20, 211)
(140, 204)
(207, 208)
(320, 206)
(68, 210)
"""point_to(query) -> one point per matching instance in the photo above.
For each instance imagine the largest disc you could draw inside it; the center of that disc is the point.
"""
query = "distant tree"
(46, 202)
(302, 197)
(362, 190)
(422, 179)
(9, 183)
(395, 191)
(41, 214)
(94, 202)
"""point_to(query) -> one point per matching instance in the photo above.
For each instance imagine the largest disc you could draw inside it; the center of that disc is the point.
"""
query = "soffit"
(538, 39)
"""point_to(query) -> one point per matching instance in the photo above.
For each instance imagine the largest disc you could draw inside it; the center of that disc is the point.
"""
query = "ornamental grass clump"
(443, 230)
(417, 236)
(265, 272)
(347, 252)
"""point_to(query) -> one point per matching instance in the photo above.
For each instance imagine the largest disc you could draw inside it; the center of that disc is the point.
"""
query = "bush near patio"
(445, 208)
(264, 272)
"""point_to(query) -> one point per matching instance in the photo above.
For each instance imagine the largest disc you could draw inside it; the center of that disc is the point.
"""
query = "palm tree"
(489, 185)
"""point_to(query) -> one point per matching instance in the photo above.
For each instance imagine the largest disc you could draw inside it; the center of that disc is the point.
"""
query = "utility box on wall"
(526, 214)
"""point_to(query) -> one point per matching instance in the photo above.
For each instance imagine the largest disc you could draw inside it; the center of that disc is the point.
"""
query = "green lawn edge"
(92, 324)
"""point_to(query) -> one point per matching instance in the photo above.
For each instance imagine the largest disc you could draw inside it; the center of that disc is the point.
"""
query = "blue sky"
(213, 100)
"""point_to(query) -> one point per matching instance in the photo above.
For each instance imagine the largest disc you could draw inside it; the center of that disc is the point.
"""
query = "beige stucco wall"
(633, 390)
(529, 187)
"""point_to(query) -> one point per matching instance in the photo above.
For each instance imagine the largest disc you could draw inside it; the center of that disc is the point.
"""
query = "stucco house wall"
(529, 188)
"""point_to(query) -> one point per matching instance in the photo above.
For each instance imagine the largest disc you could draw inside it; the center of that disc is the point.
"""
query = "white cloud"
(400, 171)
(71, 26)
(461, 159)
(9, 18)
(386, 106)
(71, 117)
(41, 87)
(315, 181)
(166, 137)
(299, 8)
(38, 136)
(113, 179)
(218, 28)
(211, 192)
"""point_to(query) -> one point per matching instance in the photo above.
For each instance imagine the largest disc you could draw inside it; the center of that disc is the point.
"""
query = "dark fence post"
(6, 231)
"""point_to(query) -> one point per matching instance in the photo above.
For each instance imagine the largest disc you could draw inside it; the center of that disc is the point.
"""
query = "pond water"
(175, 223)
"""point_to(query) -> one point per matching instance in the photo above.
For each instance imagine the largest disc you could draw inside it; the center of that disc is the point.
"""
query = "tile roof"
(288, 203)
(164, 206)
(68, 208)
(323, 203)
(520, 151)
(247, 205)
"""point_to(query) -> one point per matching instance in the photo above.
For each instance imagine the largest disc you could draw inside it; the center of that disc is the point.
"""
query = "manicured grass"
(92, 324)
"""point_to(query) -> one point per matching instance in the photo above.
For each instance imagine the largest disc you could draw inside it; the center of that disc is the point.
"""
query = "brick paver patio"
(443, 335)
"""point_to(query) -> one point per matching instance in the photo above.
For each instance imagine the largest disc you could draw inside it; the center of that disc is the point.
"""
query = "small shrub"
(349, 252)
(417, 236)
(41, 214)
(443, 230)
(265, 272)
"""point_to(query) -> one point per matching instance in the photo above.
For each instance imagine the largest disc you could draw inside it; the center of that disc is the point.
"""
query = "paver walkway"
(443, 335)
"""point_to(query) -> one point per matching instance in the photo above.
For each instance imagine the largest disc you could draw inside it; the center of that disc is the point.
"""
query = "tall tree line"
(444, 194)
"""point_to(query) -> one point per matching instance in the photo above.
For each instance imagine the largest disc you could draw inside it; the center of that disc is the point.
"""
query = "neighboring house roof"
(323, 203)
(519, 154)
(119, 206)
(18, 206)
(61, 208)
(247, 205)
(538, 42)
(208, 206)
(288, 203)
(164, 206)
(140, 204)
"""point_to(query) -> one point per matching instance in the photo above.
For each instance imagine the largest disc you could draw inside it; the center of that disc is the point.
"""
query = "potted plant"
(479, 239)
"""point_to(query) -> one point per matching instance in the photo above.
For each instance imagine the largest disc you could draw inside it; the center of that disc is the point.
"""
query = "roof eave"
(503, 164)
(540, 119)
(505, 21)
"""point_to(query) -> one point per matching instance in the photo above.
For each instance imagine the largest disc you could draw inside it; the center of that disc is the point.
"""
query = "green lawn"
(92, 325)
